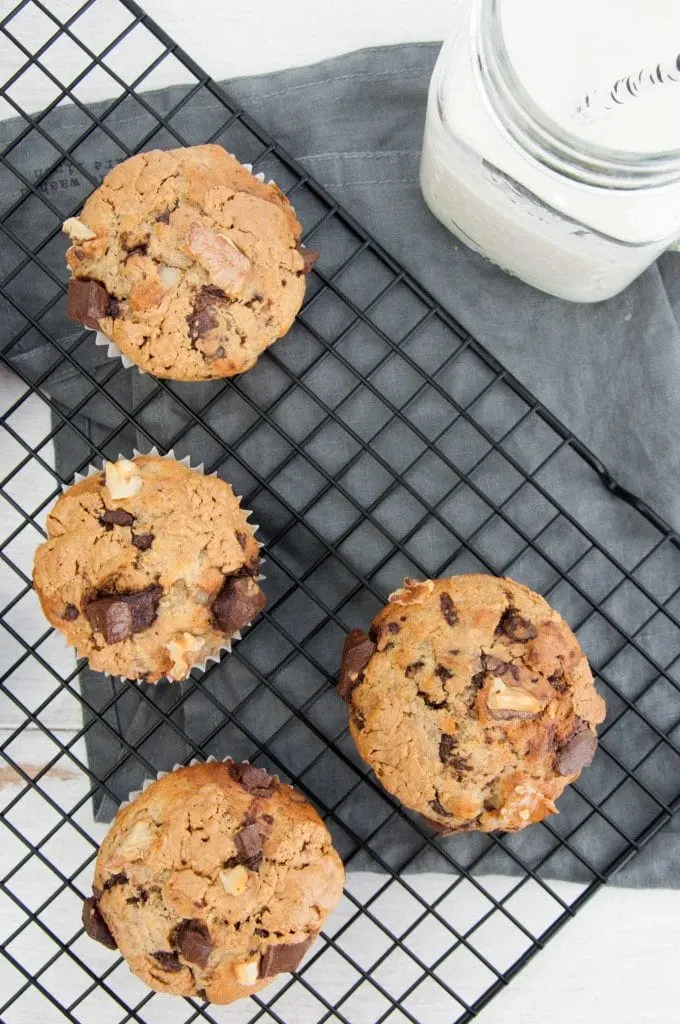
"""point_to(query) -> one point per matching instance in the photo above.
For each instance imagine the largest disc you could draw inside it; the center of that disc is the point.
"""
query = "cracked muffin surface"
(214, 880)
(149, 567)
(187, 261)
(472, 701)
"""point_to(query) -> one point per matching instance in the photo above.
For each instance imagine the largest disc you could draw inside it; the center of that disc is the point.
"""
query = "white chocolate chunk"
(182, 651)
(235, 880)
(512, 701)
(122, 479)
(169, 275)
(247, 973)
(136, 842)
(77, 231)
(225, 264)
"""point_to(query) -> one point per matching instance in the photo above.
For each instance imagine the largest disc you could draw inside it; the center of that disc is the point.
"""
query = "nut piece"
(136, 842)
(122, 479)
(168, 275)
(226, 265)
(248, 973)
(182, 651)
(511, 701)
(235, 880)
(77, 231)
(413, 592)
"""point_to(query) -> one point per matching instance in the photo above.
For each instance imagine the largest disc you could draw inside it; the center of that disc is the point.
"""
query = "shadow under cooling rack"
(376, 441)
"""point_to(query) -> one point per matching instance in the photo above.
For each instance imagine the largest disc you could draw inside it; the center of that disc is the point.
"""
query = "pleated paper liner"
(211, 759)
(224, 648)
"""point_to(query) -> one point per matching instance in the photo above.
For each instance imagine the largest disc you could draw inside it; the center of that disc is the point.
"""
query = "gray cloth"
(610, 372)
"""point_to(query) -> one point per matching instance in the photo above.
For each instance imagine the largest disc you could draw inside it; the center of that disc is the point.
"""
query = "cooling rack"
(378, 440)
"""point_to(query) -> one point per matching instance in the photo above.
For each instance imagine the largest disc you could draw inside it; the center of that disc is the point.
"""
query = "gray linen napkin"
(610, 372)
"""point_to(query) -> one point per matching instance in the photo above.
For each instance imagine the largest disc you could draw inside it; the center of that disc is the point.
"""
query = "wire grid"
(457, 468)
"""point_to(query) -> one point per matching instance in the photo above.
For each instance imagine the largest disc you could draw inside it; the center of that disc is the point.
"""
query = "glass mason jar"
(552, 139)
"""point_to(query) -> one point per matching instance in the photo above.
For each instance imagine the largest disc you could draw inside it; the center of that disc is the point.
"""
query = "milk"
(576, 61)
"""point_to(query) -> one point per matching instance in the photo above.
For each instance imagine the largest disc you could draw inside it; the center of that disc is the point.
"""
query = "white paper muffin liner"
(224, 648)
(103, 340)
(211, 759)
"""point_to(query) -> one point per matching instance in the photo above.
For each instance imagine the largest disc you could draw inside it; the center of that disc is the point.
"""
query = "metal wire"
(559, 549)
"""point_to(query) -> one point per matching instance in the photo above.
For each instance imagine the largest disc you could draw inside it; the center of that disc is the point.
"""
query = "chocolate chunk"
(70, 613)
(356, 654)
(95, 925)
(558, 682)
(262, 933)
(164, 216)
(251, 568)
(242, 538)
(514, 626)
(446, 745)
(201, 322)
(237, 604)
(436, 806)
(283, 957)
(255, 781)
(498, 667)
(310, 258)
(577, 752)
(438, 826)
(448, 609)
(249, 845)
(169, 961)
(192, 939)
(202, 318)
(143, 541)
(436, 705)
(88, 302)
(118, 617)
(116, 517)
(411, 670)
(119, 879)
(442, 673)
(358, 719)
(392, 627)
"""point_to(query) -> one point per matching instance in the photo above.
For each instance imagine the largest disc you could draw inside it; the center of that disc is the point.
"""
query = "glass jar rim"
(542, 137)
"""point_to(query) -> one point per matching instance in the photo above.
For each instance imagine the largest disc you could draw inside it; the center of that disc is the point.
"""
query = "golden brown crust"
(163, 867)
(476, 695)
(201, 257)
(197, 537)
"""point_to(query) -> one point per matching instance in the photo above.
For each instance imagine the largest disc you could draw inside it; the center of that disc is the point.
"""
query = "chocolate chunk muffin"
(188, 262)
(472, 701)
(149, 568)
(213, 881)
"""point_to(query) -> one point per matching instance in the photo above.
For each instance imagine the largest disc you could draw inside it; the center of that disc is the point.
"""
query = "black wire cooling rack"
(378, 440)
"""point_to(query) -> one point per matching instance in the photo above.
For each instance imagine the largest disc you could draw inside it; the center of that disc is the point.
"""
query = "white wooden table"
(615, 963)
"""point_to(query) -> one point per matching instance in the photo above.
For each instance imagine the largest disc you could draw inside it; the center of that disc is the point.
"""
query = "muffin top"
(187, 261)
(472, 701)
(149, 568)
(214, 880)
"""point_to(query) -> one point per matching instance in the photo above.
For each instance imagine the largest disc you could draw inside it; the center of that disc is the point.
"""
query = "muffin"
(149, 568)
(472, 701)
(188, 262)
(214, 880)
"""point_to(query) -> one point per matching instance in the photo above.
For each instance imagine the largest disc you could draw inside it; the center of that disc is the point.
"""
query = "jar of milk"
(552, 138)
